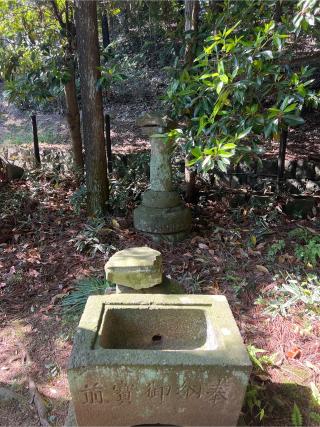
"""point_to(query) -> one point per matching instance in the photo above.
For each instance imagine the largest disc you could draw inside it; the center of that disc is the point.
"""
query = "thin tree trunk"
(105, 30)
(278, 11)
(108, 142)
(92, 110)
(70, 91)
(191, 14)
(105, 43)
(73, 118)
(35, 140)
(282, 154)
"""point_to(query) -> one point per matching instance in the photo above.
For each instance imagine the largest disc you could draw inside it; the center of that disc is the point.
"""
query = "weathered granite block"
(137, 268)
(158, 359)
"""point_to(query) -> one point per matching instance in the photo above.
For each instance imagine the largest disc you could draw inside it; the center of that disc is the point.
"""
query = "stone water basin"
(147, 359)
(156, 328)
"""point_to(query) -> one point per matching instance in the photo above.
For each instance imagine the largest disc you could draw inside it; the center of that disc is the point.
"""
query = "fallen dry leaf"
(203, 246)
(253, 253)
(261, 245)
(286, 258)
(188, 255)
(294, 353)
(262, 268)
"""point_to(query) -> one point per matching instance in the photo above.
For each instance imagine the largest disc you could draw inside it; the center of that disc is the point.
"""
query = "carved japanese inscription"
(215, 392)
(158, 391)
(91, 395)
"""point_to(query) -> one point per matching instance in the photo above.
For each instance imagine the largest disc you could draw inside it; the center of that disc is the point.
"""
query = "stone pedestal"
(167, 286)
(157, 360)
(162, 213)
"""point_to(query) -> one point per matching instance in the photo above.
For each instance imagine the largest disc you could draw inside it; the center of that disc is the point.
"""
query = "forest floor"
(246, 253)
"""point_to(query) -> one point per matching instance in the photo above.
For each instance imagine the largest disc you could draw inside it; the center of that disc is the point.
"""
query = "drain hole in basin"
(157, 338)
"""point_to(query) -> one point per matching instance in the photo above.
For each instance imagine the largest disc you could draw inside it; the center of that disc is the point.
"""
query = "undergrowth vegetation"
(74, 302)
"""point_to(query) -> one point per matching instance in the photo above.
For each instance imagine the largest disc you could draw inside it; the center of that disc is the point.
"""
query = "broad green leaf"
(221, 165)
(293, 120)
(244, 133)
(291, 107)
(196, 152)
(229, 146)
(224, 78)
(219, 87)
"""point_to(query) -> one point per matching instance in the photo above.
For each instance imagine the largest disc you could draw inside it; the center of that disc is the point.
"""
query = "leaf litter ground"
(39, 266)
(226, 253)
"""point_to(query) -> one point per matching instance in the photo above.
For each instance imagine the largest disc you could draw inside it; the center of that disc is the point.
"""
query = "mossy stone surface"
(138, 267)
(193, 370)
(162, 221)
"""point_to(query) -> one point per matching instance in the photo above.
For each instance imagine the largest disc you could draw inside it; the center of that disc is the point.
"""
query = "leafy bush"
(129, 182)
(301, 234)
(309, 253)
(239, 88)
(254, 401)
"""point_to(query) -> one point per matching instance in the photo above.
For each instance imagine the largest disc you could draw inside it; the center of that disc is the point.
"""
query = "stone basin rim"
(161, 358)
(230, 349)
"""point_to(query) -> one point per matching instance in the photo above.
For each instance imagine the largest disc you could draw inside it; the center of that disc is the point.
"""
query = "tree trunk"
(35, 140)
(70, 91)
(73, 118)
(92, 111)
(278, 11)
(105, 30)
(191, 14)
(108, 142)
(282, 154)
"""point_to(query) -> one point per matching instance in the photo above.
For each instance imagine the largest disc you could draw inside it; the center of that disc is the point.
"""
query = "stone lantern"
(162, 213)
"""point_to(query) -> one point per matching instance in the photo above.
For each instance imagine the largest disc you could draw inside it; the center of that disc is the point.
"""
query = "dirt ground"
(226, 253)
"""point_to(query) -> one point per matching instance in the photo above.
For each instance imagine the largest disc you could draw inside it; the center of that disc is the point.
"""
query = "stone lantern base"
(163, 216)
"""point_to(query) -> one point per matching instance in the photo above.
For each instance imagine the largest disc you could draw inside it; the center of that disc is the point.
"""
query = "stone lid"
(155, 120)
(137, 268)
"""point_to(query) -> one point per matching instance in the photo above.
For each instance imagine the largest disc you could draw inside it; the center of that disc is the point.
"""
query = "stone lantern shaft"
(161, 214)
(160, 165)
